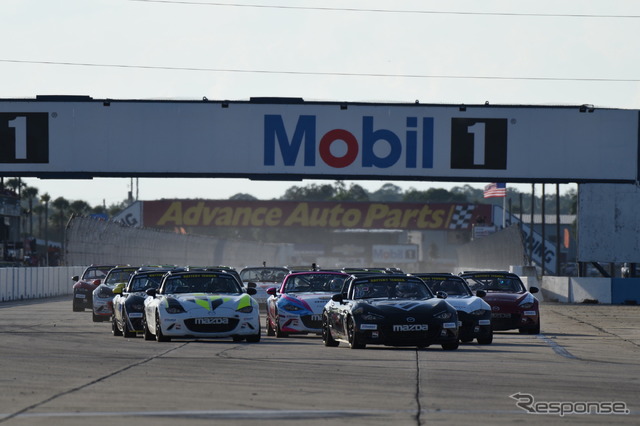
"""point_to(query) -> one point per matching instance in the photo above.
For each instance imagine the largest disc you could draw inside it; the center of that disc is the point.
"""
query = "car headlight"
(174, 307)
(478, 312)
(292, 308)
(245, 310)
(370, 316)
(443, 315)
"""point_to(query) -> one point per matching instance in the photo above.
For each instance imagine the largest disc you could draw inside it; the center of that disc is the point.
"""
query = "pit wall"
(591, 290)
(37, 283)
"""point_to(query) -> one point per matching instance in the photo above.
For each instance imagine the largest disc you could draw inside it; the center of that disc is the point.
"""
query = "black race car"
(391, 310)
(128, 302)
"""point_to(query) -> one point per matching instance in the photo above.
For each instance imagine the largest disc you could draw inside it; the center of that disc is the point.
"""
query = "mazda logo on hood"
(411, 319)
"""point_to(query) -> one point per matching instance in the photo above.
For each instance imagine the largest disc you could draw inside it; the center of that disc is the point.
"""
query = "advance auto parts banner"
(312, 214)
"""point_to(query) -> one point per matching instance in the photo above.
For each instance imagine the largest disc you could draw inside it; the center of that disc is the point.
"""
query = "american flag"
(495, 190)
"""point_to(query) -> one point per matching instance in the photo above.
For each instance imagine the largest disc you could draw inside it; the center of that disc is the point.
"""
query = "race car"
(512, 306)
(201, 304)
(128, 302)
(296, 306)
(83, 286)
(391, 310)
(474, 314)
(102, 306)
(261, 278)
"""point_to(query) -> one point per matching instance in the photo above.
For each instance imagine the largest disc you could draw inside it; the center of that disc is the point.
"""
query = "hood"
(212, 302)
(401, 306)
(468, 303)
(312, 301)
(497, 297)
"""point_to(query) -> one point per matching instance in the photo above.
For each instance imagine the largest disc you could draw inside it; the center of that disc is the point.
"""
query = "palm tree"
(30, 193)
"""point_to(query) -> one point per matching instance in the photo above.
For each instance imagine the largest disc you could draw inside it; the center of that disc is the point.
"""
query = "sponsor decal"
(24, 137)
(450, 325)
(410, 327)
(500, 315)
(414, 143)
(316, 317)
(484, 322)
(368, 326)
(532, 313)
(135, 315)
(80, 296)
(209, 321)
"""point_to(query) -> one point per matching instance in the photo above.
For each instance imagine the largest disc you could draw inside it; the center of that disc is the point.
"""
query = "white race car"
(201, 304)
(474, 314)
(262, 278)
(296, 306)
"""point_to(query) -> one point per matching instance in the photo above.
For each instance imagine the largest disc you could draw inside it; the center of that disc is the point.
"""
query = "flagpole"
(504, 210)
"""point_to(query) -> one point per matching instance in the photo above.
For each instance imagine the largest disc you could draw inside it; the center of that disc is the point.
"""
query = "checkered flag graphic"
(461, 217)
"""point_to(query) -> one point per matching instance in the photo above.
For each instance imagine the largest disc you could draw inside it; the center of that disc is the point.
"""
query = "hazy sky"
(504, 52)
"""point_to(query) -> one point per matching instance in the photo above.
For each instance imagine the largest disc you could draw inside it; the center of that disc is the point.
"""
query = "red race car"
(83, 286)
(512, 306)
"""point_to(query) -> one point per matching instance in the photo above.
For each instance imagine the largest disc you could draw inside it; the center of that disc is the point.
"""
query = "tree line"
(41, 213)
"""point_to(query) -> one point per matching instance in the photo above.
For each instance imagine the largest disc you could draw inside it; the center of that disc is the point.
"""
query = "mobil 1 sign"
(24, 137)
(327, 140)
(396, 253)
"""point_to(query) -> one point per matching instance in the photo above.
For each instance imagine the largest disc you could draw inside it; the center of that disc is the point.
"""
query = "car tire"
(114, 327)
(148, 335)
(254, 338)
(279, 332)
(270, 330)
(486, 339)
(354, 342)
(451, 346)
(327, 338)
(125, 327)
(159, 336)
(95, 318)
(237, 338)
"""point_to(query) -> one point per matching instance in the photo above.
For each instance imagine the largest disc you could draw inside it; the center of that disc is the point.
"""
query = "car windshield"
(328, 283)
(495, 283)
(390, 288)
(96, 273)
(145, 282)
(452, 286)
(119, 276)
(263, 274)
(201, 283)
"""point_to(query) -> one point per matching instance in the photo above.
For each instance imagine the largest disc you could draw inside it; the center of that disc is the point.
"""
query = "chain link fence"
(89, 240)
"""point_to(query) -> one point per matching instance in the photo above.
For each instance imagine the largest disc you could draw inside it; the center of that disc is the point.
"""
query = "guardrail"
(37, 283)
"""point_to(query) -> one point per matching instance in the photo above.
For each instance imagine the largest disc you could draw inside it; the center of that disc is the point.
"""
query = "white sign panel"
(322, 140)
(609, 223)
(398, 253)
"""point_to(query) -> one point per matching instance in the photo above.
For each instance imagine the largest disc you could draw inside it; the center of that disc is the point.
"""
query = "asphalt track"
(58, 367)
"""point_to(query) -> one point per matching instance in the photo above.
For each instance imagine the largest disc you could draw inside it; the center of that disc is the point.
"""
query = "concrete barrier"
(37, 283)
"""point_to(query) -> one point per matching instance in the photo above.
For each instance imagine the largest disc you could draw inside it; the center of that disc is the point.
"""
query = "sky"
(571, 52)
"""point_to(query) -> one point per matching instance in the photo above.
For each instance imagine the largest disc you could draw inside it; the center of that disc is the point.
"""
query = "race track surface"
(58, 367)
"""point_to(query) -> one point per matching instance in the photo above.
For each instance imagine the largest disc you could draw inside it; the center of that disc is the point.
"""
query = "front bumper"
(210, 327)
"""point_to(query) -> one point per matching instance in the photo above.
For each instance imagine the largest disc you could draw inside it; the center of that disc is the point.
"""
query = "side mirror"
(151, 292)
(251, 285)
(338, 298)
(481, 293)
(251, 291)
(96, 282)
(117, 290)
(75, 278)
(441, 295)
(271, 291)
(533, 289)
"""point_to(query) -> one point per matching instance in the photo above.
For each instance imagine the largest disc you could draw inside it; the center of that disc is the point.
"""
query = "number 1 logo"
(24, 137)
(479, 143)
